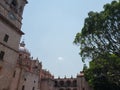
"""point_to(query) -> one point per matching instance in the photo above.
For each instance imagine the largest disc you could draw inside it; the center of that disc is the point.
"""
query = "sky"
(50, 27)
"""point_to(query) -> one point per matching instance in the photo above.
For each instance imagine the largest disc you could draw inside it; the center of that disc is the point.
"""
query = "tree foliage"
(101, 32)
(99, 40)
(104, 73)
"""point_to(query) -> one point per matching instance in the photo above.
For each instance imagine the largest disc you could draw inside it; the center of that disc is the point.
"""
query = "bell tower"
(13, 10)
(10, 34)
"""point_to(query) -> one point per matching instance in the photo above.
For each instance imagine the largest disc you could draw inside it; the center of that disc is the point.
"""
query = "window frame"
(2, 54)
(23, 87)
(6, 37)
(14, 74)
(14, 3)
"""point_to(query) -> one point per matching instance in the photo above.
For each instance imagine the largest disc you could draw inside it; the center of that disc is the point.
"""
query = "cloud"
(60, 58)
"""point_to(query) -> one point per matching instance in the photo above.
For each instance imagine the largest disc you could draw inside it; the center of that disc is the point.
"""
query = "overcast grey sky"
(50, 27)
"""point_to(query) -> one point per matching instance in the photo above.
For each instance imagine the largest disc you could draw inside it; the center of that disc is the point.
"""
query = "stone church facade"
(10, 34)
(18, 70)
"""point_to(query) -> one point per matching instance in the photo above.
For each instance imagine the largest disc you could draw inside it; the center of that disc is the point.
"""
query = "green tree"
(101, 32)
(99, 40)
(104, 73)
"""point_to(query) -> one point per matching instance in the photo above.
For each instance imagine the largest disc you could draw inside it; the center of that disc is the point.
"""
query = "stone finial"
(22, 44)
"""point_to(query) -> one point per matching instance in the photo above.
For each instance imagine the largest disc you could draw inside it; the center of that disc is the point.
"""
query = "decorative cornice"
(4, 19)
(9, 47)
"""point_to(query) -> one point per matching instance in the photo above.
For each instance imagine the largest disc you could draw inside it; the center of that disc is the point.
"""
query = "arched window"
(61, 83)
(14, 3)
(68, 83)
(56, 83)
(74, 83)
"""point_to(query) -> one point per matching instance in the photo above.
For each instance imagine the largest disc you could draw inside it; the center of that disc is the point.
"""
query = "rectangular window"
(2, 53)
(23, 87)
(6, 37)
(33, 88)
(0, 68)
(14, 73)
